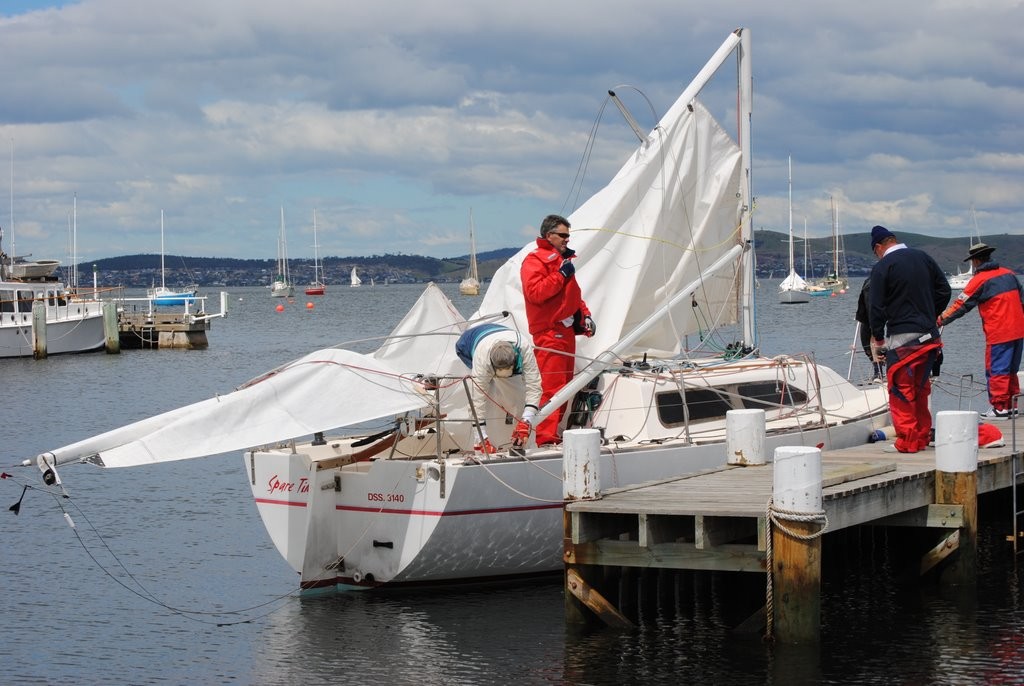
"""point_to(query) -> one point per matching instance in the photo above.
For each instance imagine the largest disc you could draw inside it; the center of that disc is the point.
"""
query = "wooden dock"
(143, 326)
(719, 520)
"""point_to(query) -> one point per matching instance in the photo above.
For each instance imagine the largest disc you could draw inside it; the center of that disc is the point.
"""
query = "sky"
(396, 122)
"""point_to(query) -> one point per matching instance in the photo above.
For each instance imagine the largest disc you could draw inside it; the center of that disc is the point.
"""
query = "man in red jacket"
(999, 298)
(555, 313)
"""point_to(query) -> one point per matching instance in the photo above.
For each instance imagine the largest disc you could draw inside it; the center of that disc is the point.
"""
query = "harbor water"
(168, 577)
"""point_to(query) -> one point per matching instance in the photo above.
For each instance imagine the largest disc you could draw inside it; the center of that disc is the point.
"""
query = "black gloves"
(567, 269)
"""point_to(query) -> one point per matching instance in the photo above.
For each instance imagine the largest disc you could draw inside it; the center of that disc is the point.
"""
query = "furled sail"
(313, 393)
(672, 210)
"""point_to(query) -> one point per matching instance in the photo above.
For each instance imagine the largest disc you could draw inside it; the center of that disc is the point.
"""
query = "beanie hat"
(879, 234)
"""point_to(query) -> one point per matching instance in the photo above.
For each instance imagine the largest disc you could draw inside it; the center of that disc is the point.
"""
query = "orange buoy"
(309, 306)
(279, 308)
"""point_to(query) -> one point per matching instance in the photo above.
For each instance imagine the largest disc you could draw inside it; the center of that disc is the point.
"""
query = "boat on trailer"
(388, 491)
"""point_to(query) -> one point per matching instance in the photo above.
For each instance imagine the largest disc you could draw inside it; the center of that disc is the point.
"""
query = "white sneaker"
(994, 414)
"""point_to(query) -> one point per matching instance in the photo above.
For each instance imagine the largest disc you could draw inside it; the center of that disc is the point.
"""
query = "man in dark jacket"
(998, 295)
(908, 291)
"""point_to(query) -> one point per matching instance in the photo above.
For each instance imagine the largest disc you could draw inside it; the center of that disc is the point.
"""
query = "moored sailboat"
(471, 284)
(162, 295)
(281, 286)
(317, 286)
(413, 503)
(792, 289)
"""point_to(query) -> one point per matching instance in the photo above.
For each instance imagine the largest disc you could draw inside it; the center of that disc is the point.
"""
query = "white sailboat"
(959, 281)
(162, 295)
(354, 279)
(282, 287)
(471, 284)
(413, 503)
(317, 286)
(835, 281)
(793, 289)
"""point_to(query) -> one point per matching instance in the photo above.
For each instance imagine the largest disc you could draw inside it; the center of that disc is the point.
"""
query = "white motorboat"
(412, 503)
(71, 324)
(32, 269)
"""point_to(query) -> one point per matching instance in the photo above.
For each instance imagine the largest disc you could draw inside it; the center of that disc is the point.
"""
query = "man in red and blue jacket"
(555, 312)
(999, 297)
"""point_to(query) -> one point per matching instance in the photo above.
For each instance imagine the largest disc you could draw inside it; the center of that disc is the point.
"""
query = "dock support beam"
(795, 601)
(956, 482)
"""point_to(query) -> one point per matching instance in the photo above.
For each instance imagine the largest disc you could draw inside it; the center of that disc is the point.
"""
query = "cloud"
(393, 120)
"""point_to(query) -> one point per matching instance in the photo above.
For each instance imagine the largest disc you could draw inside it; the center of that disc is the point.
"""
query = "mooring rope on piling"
(774, 517)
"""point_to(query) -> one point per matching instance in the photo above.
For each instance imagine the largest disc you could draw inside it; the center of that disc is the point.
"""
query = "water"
(115, 599)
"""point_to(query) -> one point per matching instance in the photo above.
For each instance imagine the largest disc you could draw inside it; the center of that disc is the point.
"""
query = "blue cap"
(879, 234)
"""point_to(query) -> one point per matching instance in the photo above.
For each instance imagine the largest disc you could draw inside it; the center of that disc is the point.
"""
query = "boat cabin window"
(7, 301)
(701, 404)
(764, 395)
(25, 301)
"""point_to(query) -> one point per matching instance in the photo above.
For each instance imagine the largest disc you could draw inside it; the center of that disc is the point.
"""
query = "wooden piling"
(111, 335)
(795, 607)
(39, 329)
(956, 482)
(581, 481)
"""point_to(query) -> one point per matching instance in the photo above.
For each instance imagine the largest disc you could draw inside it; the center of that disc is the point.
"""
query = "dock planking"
(717, 520)
(859, 485)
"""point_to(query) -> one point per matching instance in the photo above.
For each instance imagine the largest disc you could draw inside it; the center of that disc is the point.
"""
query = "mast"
(746, 103)
(472, 248)
(791, 258)
(162, 284)
(74, 242)
(11, 226)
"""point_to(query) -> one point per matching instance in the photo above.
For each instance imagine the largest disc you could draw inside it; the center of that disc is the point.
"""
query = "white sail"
(641, 239)
(793, 282)
(308, 395)
(355, 280)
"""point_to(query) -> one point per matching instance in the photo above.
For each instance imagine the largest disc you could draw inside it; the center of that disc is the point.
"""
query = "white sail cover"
(672, 209)
(314, 393)
(793, 282)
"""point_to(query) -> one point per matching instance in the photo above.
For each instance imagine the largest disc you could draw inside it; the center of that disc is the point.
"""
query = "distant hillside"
(140, 271)
(773, 252)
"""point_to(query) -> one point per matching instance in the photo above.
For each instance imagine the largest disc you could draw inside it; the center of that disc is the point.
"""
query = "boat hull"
(342, 513)
(281, 290)
(76, 327)
(401, 522)
(793, 297)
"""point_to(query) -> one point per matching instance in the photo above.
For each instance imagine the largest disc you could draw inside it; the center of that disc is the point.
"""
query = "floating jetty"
(143, 325)
(769, 517)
